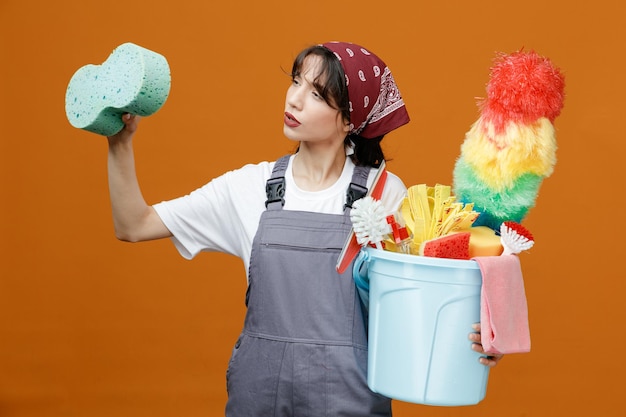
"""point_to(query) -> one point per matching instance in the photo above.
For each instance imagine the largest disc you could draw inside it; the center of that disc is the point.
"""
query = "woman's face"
(308, 117)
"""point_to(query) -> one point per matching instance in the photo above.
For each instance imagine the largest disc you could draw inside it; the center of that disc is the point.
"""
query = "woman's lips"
(290, 120)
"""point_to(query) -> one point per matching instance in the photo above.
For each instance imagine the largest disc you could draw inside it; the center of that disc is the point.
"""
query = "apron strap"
(275, 185)
(358, 186)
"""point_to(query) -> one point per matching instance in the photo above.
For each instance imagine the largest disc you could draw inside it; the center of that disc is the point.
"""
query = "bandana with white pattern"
(376, 106)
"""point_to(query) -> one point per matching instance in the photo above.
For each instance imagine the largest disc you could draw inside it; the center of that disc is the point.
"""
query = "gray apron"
(303, 349)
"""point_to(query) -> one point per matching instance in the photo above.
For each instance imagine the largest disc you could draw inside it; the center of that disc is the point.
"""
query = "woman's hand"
(488, 360)
(125, 135)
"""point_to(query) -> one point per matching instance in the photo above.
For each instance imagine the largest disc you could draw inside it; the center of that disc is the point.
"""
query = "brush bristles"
(369, 221)
(515, 238)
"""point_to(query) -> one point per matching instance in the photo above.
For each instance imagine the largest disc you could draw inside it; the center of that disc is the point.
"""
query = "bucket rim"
(421, 260)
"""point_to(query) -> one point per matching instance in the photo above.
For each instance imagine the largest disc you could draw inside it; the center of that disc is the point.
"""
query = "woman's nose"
(294, 98)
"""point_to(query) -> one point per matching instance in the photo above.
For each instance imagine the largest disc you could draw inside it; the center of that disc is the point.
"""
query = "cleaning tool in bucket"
(511, 148)
(421, 310)
(515, 238)
(369, 221)
(351, 247)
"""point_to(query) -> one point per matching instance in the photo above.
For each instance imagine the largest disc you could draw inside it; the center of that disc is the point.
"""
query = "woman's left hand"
(488, 360)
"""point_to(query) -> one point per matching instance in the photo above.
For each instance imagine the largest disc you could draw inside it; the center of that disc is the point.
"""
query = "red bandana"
(376, 107)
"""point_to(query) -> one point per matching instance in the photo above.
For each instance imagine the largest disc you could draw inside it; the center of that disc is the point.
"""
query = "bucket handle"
(362, 281)
(359, 271)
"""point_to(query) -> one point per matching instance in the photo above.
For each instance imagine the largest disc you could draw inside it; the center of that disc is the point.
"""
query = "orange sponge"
(453, 246)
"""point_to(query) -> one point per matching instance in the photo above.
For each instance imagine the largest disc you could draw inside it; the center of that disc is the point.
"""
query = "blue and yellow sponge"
(133, 80)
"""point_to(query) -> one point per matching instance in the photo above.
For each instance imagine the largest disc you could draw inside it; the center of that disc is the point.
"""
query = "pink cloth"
(503, 308)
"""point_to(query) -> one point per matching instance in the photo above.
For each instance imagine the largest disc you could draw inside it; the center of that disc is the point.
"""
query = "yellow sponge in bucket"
(483, 241)
(133, 80)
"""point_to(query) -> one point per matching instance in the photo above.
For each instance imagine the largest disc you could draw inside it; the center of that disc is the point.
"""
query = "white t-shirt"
(223, 215)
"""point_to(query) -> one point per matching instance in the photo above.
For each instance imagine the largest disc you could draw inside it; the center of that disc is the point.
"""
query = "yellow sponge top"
(483, 242)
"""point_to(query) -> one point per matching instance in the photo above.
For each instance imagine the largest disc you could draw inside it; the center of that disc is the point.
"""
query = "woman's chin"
(290, 134)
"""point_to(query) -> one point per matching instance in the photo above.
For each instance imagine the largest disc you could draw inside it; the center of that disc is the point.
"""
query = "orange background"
(90, 326)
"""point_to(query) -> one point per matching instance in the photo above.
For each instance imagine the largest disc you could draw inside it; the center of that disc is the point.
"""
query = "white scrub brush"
(369, 221)
(515, 238)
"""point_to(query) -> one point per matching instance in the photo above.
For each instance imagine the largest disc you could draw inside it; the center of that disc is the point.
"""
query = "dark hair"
(331, 85)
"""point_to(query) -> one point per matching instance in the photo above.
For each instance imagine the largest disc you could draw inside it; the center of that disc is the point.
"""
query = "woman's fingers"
(490, 360)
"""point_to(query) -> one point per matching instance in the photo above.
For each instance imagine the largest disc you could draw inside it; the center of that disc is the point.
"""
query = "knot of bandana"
(376, 106)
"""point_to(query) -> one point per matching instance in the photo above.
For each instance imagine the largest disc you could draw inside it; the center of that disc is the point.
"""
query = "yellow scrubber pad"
(133, 80)
(483, 242)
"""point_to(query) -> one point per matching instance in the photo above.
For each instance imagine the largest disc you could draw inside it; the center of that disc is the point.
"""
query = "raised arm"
(134, 220)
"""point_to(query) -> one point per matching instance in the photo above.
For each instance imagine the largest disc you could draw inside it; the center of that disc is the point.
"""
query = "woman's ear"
(345, 123)
(346, 126)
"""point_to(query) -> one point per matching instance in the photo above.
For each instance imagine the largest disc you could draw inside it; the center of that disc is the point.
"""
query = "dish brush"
(369, 221)
(515, 238)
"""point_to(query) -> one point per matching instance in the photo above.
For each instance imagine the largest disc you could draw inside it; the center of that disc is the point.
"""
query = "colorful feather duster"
(511, 148)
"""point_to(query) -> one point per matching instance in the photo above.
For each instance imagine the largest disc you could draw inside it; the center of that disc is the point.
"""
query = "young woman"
(303, 348)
